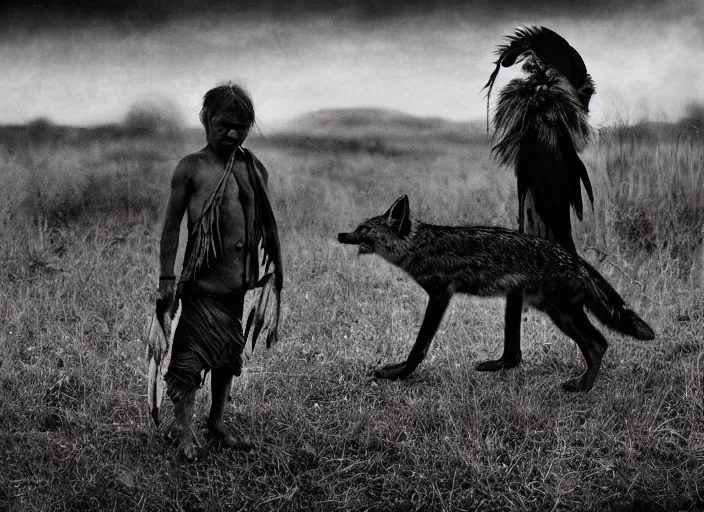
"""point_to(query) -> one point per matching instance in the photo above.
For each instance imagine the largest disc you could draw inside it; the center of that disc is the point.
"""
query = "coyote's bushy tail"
(608, 306)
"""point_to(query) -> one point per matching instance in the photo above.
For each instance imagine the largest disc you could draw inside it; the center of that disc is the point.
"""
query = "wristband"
(167, 278)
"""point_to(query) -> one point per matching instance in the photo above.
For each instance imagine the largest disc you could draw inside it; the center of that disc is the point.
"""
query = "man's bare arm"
(176, 207)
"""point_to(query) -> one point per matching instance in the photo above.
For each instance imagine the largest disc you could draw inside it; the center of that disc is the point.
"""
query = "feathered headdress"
(550, 50)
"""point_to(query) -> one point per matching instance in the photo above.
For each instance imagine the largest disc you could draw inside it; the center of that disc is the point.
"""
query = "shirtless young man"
(223, 190)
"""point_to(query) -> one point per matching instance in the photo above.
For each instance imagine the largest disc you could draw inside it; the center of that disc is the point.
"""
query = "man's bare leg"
(220, 383)
(183, 411)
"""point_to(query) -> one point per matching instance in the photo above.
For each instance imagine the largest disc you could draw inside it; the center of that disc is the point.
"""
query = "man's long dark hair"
(228, 96)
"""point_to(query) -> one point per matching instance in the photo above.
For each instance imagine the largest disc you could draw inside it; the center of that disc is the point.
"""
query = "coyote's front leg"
(437, 304)
(512, 336)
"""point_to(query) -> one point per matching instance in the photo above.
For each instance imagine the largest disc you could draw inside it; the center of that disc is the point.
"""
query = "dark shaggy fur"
(546, 49)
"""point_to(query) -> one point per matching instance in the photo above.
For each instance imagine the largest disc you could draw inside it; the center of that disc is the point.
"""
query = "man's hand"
(167, 293)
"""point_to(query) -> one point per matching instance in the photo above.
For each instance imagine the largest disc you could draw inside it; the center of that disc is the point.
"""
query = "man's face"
(227, 131)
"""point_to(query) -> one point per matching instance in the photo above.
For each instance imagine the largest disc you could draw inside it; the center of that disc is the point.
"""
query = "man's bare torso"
(223, 275)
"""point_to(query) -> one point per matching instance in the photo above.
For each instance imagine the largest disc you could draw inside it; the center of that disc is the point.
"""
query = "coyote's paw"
(582, 383)
(392, 371)
(504, 363)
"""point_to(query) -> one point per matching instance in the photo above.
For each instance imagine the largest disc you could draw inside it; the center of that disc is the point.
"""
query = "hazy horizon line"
(280, 123)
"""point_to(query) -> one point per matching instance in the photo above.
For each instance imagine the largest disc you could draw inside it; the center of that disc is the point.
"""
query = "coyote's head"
(386, 235)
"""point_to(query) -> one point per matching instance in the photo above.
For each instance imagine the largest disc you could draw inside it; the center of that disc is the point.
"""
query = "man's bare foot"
(187, 448)
(173, 433)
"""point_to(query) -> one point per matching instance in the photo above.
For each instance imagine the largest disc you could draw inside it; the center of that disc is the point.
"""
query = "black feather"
(543, 174)
(578, 170)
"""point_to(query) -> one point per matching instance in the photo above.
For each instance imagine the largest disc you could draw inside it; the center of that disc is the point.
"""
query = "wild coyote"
(492, 261)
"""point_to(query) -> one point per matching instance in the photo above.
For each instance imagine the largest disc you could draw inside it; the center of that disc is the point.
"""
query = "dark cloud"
(138, 13)
(86, 61)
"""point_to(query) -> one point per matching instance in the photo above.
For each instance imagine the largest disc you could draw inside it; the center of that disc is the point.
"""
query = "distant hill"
(371, 130)
(356, 122)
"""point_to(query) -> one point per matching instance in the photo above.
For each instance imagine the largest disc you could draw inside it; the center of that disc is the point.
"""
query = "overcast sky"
(86, 65)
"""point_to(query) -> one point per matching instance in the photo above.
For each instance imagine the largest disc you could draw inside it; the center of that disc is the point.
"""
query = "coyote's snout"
(355, 238)
(348, 238)
(491, 261)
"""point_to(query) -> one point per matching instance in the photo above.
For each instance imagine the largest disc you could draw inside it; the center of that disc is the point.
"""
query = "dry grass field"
(79, 228)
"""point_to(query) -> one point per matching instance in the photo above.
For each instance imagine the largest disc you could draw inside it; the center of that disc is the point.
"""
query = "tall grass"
(80, 221)
(649, 211)
(657, 187)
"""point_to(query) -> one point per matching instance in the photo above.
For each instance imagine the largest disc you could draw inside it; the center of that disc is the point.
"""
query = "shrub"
(153, 118)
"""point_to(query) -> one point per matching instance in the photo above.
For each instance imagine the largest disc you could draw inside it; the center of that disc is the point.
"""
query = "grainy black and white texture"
(102, 99)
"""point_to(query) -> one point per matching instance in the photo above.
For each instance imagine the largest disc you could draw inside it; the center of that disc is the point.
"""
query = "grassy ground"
(78, 252)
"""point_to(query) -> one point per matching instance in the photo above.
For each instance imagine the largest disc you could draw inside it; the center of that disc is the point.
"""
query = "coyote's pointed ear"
(399, 216)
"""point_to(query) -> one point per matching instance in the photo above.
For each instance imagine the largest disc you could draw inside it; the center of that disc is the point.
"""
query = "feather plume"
(547, 50)
(261, 312)
(162, 326)
(545, 103)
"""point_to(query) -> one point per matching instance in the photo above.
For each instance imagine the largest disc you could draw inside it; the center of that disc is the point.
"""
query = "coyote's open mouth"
(365, 248)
